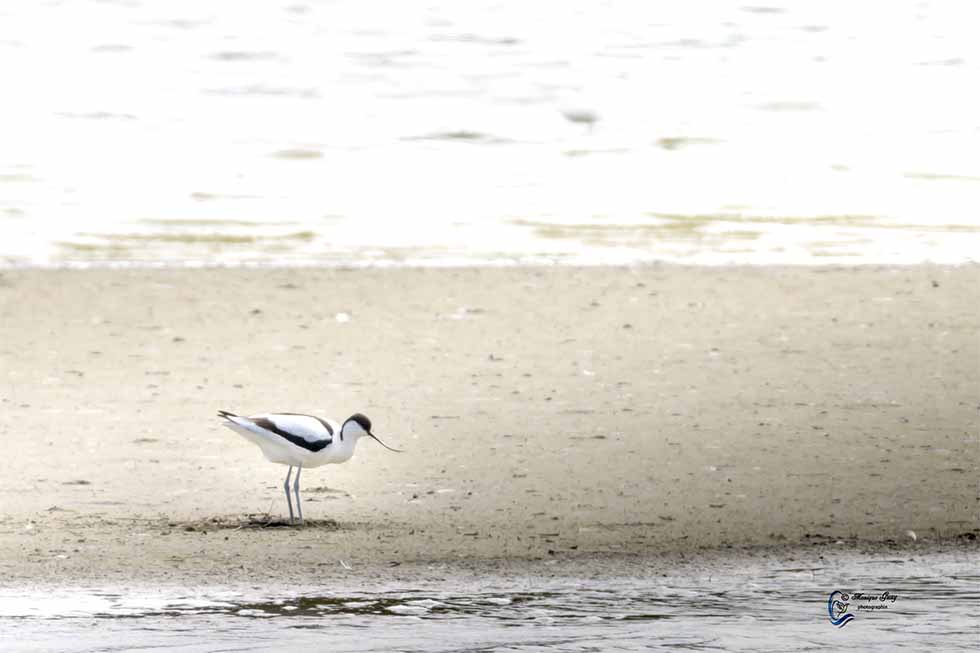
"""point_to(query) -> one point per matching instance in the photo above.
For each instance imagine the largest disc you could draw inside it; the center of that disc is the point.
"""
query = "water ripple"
(765, 609)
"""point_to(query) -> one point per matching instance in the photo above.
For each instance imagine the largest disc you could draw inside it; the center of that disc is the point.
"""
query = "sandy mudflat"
(555, 413)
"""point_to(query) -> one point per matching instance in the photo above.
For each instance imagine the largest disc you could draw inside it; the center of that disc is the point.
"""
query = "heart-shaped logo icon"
(839, 608)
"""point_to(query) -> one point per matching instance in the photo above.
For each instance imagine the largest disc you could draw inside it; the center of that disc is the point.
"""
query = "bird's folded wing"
(288, 425)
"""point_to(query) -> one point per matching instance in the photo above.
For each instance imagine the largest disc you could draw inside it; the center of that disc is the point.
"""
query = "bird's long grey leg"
(299, 506)
(289, 501)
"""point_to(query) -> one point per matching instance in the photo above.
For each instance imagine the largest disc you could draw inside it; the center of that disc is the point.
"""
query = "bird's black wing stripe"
(269, 425)
(324, 422)
(325, 425)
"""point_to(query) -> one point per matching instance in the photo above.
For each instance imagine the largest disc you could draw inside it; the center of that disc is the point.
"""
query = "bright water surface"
(772, 607)
(461, 132)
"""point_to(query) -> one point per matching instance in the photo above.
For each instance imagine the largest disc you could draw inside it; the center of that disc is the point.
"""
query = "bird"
(301, 441)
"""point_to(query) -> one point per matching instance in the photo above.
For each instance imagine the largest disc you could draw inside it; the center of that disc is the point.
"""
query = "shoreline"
(589, 412)
(462, 265)
(374, 573)
(832, 559)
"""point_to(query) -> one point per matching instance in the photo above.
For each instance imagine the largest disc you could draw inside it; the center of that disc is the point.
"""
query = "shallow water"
(308, 132)
(777, 606)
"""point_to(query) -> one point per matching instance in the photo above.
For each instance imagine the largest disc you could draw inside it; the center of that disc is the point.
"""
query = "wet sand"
(580, 415)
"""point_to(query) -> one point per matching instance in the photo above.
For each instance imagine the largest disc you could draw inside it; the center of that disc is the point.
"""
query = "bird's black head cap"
(362, 421)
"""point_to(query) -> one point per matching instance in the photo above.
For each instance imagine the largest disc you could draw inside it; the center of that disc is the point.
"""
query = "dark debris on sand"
(254, 522)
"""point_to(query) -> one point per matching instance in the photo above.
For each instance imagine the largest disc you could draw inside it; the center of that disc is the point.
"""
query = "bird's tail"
(226, 414)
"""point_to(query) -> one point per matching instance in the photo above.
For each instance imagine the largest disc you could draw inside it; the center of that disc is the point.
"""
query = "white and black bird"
(301, 441)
